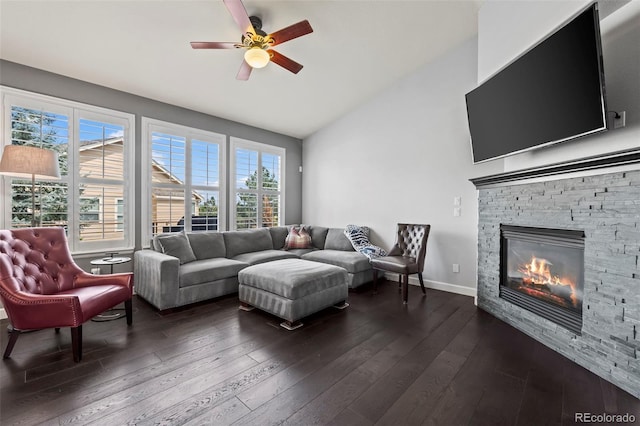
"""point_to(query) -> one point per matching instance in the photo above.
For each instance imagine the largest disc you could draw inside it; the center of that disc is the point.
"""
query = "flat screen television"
(552, 93)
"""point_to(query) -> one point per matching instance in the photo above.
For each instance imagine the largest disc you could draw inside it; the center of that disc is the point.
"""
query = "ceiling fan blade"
(285, 62)
(244, 72)
(239, 13)
(290, 32)
(213, 45)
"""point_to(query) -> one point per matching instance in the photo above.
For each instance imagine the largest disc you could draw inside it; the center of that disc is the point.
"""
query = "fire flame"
(538, 272)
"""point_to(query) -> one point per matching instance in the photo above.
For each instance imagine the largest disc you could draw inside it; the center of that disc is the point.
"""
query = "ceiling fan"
(258, 44)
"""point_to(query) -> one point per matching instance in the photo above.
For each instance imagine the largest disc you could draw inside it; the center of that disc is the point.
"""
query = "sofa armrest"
(156, 278)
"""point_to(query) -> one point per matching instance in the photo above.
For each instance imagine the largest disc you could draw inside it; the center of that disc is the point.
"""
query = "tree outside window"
(247, 203)
(258, 184)
(48, 131)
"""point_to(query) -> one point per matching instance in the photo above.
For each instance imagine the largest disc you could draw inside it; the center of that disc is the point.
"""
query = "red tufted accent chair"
(42, 287)
(406, 257)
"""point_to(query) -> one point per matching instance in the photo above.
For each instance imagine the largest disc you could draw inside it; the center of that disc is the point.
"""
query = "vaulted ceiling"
(142, 47)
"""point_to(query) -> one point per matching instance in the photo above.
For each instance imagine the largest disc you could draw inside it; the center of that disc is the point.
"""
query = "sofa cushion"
(336, 240)
(155, 245)
(353, 261)
(318, 236)
(176, 245)
(263, 256)
(207, 245)
(208, 270)
(278, 235)
(238, 242)
(298, 238)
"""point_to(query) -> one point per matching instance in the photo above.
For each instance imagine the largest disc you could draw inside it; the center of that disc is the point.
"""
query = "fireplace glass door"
(542, 270)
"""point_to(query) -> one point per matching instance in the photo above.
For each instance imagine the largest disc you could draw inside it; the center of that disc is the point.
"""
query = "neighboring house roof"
(155, 164)
(85, 145)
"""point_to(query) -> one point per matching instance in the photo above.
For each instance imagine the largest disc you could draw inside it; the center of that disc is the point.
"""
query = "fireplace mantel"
(622, 158)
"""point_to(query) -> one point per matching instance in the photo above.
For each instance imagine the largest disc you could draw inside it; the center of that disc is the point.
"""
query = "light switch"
(457, 201)
(456, 211)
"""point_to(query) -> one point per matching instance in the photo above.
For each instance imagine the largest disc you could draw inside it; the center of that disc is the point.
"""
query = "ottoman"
(292, 288)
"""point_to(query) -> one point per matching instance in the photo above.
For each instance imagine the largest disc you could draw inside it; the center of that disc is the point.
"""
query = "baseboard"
(437, 285)
(3, 314)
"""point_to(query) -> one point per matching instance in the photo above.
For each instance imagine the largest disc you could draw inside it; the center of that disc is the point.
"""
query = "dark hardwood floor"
(437, 361)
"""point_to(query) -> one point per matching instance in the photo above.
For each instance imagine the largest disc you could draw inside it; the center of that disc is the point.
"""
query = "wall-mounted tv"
(552, 93)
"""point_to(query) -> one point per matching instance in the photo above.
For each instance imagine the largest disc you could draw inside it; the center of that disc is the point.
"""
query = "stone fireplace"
(603, 298)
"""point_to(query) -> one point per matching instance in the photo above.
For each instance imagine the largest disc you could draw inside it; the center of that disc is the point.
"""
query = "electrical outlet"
(456, 211)
(456, 267)
(620, 122)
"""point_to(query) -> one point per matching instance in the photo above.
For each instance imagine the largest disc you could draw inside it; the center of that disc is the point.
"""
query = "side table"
(110, 261)
(111, 314)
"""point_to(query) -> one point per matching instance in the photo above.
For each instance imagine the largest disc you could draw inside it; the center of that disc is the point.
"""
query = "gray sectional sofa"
(183, 268)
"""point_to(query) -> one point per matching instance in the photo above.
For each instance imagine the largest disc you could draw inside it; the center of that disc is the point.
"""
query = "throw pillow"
(207, 244)
(177, 245)
(298, 238)
(359, 237)
(318, 236)
(337, 240)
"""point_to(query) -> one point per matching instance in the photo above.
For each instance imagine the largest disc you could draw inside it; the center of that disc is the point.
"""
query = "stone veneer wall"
(607, 208)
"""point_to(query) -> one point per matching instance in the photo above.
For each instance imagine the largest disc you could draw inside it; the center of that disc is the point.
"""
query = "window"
(258, 181)
(47, 129)
(119, 214)
(95, 151)
(89, 210)
(185, 177)
(100, 178)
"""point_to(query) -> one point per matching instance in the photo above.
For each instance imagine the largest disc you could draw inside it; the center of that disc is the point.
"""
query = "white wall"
(506, 29)
(402, 157)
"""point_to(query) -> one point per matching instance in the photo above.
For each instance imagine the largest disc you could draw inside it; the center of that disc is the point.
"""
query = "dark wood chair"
(406, 257)
(42, 287)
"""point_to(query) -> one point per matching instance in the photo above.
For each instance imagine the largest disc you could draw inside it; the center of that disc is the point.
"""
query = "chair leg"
(375, 281)
(424, 292)
(13, 337)
(405, 289)
(129, 311)
(399, 283)
(76, 343)
(57, 330)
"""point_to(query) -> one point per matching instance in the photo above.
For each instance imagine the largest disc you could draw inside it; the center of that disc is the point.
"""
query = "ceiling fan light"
(257, 57)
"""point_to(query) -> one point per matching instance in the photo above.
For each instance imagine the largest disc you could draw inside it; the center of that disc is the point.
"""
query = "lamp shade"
(28, 161)
(257, 57)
